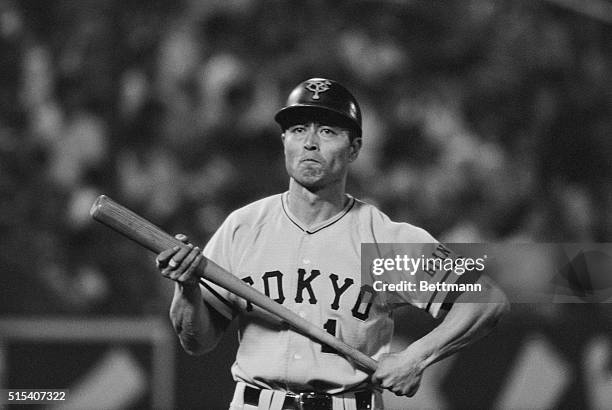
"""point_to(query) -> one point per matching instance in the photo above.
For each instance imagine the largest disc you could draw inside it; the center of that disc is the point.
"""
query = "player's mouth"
(309, 160)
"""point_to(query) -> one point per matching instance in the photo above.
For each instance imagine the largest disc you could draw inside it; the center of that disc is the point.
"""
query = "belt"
(308, 400)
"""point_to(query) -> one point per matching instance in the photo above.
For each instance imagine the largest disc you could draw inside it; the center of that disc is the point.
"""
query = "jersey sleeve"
(425, 265)
(431, 276)
(219, 250)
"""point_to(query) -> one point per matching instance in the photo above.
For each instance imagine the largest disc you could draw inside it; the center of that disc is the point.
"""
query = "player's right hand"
(179, 263)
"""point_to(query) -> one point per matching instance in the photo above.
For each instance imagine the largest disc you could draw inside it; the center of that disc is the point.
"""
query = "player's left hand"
(399, 372)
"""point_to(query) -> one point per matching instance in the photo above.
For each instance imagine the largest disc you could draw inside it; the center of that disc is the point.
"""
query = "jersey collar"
(320, 225)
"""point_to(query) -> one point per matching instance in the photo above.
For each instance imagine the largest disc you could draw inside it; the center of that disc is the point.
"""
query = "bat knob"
(97, 205)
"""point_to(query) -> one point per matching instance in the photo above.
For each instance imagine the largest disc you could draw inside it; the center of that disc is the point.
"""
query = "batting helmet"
(325, 98)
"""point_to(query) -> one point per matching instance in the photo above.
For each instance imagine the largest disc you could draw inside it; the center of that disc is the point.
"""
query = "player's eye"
(327, 131)
(297, 129)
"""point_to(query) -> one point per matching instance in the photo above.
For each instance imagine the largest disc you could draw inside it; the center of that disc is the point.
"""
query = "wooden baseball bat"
(145, 233)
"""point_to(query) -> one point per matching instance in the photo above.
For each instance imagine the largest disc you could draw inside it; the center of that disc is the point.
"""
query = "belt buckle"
(295, 401)
(313, 401)
(300, 400)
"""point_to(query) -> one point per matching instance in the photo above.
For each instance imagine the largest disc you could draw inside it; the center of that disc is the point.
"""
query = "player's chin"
(310, 180)
(310, 169)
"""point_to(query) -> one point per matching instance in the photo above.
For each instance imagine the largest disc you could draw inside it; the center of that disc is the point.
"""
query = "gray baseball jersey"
(316, 272)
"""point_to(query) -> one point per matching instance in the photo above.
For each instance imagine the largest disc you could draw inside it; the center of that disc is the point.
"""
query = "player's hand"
(399, 372)
(179, 263)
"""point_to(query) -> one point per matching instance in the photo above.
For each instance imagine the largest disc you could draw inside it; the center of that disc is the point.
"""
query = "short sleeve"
(432, 277)
(219, 250)
(426, 266)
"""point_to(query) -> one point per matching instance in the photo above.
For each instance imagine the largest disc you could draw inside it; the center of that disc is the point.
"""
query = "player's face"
(317, 155)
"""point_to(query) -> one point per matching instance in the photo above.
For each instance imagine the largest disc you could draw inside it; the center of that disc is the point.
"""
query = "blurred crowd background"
(484, 121)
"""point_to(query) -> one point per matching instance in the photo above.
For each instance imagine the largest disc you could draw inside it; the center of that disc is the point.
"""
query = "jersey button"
(297, 356)
(305, 261)
(302, 314)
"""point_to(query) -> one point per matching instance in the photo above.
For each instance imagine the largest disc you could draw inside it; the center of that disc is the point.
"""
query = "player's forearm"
(198, 327)
(470, 318)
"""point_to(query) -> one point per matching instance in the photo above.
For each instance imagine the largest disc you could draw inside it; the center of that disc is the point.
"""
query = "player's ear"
(355, 146)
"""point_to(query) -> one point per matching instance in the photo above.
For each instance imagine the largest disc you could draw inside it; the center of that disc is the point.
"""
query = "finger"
(162, 259)
(188, 276)
(179, 271)
(186, 262)
(413, 389)
(398, 390)
(182, 237)
(387, 384)
(178, 257)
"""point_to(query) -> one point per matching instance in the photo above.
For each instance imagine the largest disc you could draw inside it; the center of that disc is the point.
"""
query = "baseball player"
(302, 249)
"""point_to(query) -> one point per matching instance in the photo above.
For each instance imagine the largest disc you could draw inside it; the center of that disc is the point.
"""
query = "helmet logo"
(319, 86)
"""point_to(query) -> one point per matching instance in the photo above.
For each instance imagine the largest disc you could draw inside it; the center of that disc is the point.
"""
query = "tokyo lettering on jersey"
(316, 272)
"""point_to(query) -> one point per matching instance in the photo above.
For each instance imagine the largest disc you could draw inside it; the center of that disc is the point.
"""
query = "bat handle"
(132, 225)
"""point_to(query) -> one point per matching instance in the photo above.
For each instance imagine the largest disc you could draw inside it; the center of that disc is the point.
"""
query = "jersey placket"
(298, 345)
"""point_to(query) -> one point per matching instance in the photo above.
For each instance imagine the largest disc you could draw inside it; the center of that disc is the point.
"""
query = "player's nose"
(311, 140)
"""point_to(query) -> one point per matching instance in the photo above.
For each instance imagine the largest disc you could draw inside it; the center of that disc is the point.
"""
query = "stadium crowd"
(484, 121)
